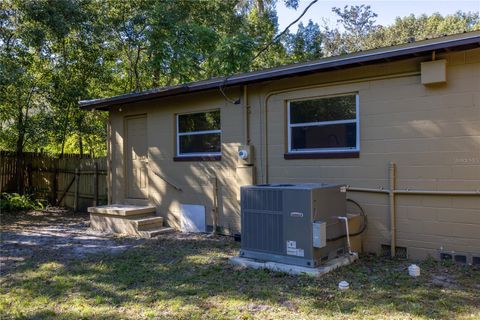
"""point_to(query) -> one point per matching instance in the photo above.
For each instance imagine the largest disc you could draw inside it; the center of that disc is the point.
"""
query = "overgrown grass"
(190, 278)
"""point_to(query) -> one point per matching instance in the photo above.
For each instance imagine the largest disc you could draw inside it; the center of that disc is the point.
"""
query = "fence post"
(95, 184)
(19, 173)
(29, 178)
(2, 165)
(55, 184)
(77, 190)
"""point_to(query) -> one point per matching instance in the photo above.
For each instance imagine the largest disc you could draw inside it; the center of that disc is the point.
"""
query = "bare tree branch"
(284, 31)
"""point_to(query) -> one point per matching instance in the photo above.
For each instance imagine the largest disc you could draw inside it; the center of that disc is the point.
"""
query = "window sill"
(197, 158)
(322, 155)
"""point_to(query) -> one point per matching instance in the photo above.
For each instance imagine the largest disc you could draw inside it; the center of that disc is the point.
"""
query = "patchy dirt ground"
(52, 234)
(54, 269)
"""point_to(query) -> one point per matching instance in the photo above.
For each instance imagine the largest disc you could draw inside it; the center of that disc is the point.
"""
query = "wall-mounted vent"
(400, 252)
(460, 258)
(446, 256)
(476, 261)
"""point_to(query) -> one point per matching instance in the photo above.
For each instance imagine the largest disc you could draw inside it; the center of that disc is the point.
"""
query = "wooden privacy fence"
(71, 181)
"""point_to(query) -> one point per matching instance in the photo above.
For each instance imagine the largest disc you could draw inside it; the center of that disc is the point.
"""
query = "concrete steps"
(127, 219)
(155, 231)
(145, 222)
(122, 210)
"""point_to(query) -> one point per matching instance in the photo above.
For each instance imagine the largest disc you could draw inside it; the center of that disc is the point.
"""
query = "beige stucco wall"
(432, 133)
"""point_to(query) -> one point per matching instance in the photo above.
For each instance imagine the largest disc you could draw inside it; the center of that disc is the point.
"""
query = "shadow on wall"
(196, 179)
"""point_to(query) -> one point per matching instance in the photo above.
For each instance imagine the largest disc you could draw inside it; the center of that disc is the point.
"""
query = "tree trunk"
(63, 147)
(65, 129)
(19, 172)
(21, 128)
(155, 73)
(155, 78)
(138, 87)
(80, 144)
(260, 7)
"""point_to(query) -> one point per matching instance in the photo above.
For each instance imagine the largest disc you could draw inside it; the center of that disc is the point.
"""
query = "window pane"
(330, 136)
(199, 121)
(200, 143)
(324, 109)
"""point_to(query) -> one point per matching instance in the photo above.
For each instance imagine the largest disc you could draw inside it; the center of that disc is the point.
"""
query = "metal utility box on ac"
(292, 223)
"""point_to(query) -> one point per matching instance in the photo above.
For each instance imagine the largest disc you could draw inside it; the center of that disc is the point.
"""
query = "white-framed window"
(324, 124)
(199, 134)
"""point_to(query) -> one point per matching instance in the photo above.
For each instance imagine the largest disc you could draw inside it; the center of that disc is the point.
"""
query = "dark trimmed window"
(199, 134)
(326, 124)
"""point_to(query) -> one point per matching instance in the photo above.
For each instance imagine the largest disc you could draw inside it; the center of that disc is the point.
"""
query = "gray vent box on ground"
(293, 223)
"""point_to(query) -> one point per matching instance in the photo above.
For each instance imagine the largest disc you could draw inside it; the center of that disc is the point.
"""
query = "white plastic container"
(343, 285)
(414, 270)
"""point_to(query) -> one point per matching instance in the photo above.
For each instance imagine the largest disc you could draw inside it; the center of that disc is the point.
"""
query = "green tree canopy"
(54, 53)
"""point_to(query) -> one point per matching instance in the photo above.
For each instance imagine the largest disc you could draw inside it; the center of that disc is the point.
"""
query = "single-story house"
(399, 126)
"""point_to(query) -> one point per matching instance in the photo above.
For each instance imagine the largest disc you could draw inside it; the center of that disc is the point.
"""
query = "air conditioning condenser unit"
(293, 223)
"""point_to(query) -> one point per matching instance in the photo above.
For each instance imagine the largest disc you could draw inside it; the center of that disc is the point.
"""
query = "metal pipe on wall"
(109, 161)
(392, 192)
(367, 190)
(416, 192)
(438, 192)
(214, 181)
(393, 218)
(246, 116)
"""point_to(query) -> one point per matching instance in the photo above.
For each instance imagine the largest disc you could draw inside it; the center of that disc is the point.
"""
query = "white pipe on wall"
(345, 219)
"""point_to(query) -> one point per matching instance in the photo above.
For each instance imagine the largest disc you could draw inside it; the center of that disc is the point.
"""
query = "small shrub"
(15, 202)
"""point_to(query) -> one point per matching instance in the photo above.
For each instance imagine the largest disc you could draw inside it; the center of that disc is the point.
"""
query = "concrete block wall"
(193, 177)
(432, 133)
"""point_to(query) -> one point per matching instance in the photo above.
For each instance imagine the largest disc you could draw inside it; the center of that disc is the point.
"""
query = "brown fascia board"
(455, 42)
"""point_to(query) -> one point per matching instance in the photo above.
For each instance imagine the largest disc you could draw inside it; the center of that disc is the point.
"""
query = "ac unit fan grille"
(262, 220)
(270, 200)
(263, 231)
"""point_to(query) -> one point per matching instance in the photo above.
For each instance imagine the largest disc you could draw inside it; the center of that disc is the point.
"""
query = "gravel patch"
(53, 234)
